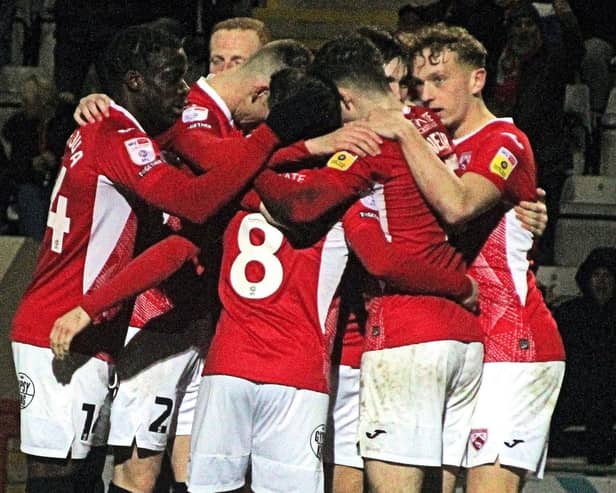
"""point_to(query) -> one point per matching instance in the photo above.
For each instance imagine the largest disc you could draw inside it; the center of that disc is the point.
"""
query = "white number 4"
(59, 223)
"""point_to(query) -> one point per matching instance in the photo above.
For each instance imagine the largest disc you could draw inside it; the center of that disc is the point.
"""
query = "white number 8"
(263, 253)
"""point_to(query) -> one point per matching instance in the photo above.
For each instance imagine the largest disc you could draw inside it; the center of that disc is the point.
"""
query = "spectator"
(597, 21)
(32, 165)
(529, 85)
(588, 328)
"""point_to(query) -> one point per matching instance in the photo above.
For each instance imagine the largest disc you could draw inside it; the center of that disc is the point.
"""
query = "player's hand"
(92, 108)
(65, 328)
(389, 124)
(355, 137)
(472, 302)
(533, 215)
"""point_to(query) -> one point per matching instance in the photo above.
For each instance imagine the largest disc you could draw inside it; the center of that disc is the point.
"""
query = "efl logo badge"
(503, 163)
(194, 114)
(140, 150)
(317, 440)
(341, 161)
(26, 390)
(478, 438)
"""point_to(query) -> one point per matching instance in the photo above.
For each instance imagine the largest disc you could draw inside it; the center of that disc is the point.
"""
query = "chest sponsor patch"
(341, 160)
(194, 114)
(140, 150)
(503, 163)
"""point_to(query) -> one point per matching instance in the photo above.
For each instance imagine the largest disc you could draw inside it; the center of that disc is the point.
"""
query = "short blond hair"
(245, 24)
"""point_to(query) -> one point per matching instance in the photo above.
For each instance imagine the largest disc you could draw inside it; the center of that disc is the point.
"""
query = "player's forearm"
(208, 152)
(147, 270)
(406, 273)
(443, 190)
(300, 203)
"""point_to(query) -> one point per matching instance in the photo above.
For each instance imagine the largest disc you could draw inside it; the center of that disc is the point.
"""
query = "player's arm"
(322, 191)
(145, 271)
(394, 265)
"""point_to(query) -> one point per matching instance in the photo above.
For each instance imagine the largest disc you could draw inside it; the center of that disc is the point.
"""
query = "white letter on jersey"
(264, 254)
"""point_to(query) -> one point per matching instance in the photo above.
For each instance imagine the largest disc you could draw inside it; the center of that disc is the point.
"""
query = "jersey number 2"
(264, 253)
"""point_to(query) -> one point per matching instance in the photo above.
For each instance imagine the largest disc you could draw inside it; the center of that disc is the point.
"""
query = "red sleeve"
(207, 151)
(145, 271)
(392, 264)
(294, 153)
(136, 163)
(251, 201)
(306, 201)
(506, 160)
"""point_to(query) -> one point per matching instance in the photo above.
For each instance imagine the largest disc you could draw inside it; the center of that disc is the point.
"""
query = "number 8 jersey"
(275, 301)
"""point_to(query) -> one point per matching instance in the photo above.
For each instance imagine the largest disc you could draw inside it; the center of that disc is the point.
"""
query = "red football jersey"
(276, 298)
(407, 219)
(91, 224)
(516, 323)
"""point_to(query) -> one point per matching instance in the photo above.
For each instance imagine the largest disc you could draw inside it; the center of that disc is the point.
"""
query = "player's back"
(410, 223)
(275, 302)
(91, 224)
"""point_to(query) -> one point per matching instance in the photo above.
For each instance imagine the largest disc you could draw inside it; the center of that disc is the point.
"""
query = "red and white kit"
(396, 319)
(107, 167)
(523, 351)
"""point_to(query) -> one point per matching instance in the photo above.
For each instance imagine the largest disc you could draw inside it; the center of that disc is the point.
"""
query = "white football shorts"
(416, 402)
(60, 401)
(343, 419)
(145, 407)
(512, 417)
(279, 430)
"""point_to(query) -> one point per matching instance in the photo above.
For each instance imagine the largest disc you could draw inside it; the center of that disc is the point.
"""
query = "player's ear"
(346, 99)
(478, 80)
(133, 80)
(260, 90)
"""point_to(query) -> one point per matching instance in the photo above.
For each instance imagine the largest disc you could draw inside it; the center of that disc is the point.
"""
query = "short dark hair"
(289, 82)
(351, 60)
(277, 55)
(133, 48)
(389, 46)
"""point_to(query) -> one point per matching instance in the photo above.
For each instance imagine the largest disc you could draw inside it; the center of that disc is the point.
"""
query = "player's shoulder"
(504, 131)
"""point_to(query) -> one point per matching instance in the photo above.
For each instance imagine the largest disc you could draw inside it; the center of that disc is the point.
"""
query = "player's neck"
(477, 116)
(226, 87)
(376, 101)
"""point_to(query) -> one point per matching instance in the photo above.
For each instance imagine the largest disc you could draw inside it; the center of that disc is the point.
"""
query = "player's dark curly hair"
(133, 48)
(351, 60)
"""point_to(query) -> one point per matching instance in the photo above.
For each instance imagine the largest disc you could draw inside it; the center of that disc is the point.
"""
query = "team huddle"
(362, 264)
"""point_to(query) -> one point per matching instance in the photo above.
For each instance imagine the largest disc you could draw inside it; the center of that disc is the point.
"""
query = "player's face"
(396, 70)
(445, 86)
(231, 47)
(165, 90)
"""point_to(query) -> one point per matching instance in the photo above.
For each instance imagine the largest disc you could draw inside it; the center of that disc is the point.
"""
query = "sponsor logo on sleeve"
(341, 161)
(140, 150)
(503, 163)
(194, 114)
